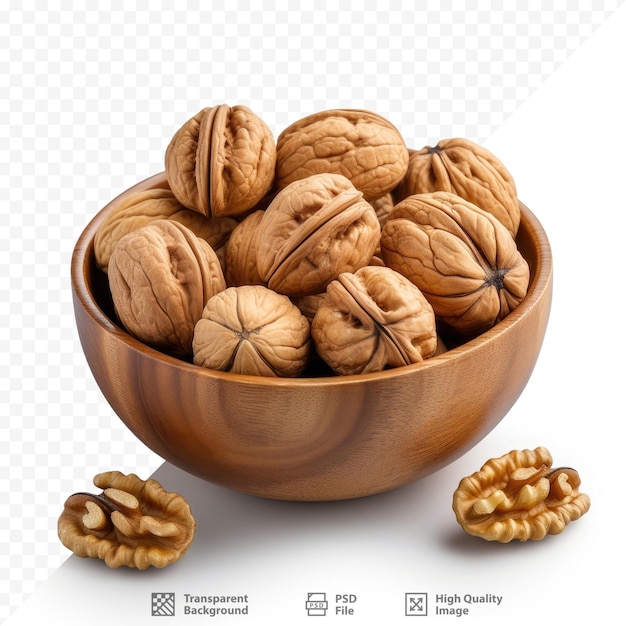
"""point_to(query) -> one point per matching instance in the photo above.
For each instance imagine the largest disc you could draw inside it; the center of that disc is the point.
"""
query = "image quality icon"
(416, 604)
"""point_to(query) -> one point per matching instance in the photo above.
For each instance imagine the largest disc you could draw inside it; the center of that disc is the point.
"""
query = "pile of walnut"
(334, 244)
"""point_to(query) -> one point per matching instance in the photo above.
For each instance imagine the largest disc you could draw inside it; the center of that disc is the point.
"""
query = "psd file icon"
(415, 604)
(316, 604)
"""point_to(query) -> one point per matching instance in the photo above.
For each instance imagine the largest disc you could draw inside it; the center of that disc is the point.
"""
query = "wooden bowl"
(315, 438)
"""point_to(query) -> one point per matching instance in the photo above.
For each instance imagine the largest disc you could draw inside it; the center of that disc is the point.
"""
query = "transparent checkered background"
(90, 101)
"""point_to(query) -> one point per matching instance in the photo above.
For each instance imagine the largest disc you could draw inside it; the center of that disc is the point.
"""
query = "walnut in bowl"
(221, 161)
(361, 145)
(160, 277)
(372, 319)
(316, 437)
(253, 330)
(313, 230)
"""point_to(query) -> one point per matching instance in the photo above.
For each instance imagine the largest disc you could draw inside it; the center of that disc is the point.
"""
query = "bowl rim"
(540, 281)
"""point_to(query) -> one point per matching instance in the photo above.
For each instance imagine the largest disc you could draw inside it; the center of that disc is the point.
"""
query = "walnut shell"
(143, 207)
(373, 319)
(240, 254)
(221, 161)
(383, 207)
(468, 170)
(252, 330)
(315, 229)
(160, 277)
(462, 258)
(309, 305)
(361, 145)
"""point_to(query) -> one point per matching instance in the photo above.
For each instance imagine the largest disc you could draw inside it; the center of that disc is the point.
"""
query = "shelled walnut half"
(519, 496)
(133, 522)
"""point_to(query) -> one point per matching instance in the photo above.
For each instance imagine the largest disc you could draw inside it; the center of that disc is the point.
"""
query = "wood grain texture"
(315, 438)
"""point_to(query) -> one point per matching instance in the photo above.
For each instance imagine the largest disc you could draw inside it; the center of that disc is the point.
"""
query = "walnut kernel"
(519, 496)
(133, 522)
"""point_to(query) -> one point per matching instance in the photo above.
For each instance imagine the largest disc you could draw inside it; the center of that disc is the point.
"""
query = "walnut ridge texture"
(139, 209)
(240, 252)
(360, 145)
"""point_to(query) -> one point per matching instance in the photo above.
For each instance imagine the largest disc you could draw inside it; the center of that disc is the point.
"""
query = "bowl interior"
(92, 285)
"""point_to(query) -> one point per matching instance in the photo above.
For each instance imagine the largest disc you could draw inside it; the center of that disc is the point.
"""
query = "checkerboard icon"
(163, 604)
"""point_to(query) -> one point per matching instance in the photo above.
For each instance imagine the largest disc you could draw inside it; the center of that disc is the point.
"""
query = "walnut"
(309, 305)
(161, 276)
(373, 319)
(240, 254)
(216, 231)
(466, 169)
(313, 230)
(143, 207)
(519, 496)
(221, 161)
(383, 207)
(252, 330)
(462, 258)
(361, 145)
(441, 346)
(132, 522)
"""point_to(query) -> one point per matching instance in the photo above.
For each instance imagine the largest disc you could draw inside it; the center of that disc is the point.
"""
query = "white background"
(92, 100)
